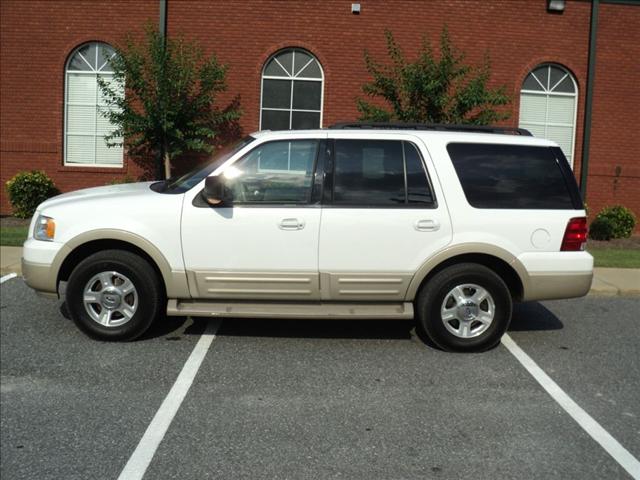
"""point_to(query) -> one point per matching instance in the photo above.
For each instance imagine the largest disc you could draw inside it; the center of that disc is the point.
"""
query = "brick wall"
(37, 37)
(36, 40)
(614, 166)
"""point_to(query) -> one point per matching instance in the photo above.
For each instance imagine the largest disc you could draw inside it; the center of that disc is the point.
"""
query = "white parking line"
(144, 452)
(9, 276)
(593, 428)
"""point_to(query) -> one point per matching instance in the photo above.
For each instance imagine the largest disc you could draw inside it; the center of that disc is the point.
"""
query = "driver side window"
(274, 172)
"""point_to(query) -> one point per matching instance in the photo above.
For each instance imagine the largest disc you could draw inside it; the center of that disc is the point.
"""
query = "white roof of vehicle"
(446, 135)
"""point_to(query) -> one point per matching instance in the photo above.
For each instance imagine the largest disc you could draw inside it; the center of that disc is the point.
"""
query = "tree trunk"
(166, 159)
(167, 165)
(158, 165)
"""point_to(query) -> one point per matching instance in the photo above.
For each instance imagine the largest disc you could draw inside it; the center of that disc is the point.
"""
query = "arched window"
(292, 83)
(85, 124)
(548, 104)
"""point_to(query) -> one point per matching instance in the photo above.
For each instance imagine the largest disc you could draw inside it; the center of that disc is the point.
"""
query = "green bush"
(601, 229)
(27, 190)
(613, 222)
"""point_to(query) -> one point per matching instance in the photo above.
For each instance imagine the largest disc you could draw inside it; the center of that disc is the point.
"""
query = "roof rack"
(431, 126)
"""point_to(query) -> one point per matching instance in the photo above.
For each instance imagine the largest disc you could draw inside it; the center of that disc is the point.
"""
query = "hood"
(91, 194)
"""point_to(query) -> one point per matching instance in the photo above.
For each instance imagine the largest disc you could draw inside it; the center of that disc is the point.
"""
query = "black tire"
(149, 295)
(431, 300)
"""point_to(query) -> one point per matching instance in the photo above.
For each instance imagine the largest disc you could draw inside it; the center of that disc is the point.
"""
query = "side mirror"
(214, 190)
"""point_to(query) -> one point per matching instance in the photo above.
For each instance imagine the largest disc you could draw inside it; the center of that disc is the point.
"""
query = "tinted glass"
(89, 52)
(275, 120)
(276, 93)
(273, 68)
(418, 191)
(300, 61)
(105, 52)
(368, 172)
(555, 75)
(312, 70)
(510, 176)
(306, 95)
(530, 83)
(565, 86)
(286, 60)
(274, 172)
(305, 120)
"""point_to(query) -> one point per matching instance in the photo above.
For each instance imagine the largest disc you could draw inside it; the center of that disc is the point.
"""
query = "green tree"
(169, 103)
(433, 89)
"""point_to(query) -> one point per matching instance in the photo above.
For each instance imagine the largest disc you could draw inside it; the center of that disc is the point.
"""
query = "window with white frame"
(548, 105)
(85, 123)
(292, 89)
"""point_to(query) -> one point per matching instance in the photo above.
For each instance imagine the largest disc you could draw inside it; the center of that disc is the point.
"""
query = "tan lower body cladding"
(306, 310)
(300, 286)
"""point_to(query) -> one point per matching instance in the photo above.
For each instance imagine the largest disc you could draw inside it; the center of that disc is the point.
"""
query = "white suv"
(447, 224)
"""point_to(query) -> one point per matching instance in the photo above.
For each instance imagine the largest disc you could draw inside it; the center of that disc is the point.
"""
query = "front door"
(263, 244)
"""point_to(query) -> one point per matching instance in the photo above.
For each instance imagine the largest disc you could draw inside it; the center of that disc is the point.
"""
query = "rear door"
(383, 216)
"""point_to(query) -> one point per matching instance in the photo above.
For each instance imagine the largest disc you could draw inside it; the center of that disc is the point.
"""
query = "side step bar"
(203, 308)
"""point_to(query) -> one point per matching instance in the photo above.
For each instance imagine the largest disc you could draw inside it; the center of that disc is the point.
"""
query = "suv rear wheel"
(114, 295)
(465, 307)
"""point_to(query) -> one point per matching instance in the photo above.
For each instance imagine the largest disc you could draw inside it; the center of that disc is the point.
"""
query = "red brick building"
(41, 39)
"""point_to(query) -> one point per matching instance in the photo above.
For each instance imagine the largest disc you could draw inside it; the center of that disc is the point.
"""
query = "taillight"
(575, 236)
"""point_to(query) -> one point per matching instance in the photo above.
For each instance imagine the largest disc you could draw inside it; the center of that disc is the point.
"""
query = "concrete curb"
(10, 260)
(616, 282)
(607, 282)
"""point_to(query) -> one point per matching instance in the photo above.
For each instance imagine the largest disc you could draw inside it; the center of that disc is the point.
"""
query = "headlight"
(45, 229)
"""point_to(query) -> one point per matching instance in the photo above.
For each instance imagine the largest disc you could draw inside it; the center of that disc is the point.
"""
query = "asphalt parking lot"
(317, 399)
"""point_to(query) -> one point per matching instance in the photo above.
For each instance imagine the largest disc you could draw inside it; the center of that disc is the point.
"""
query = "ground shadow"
(163, 326)
(533, 316)
(303, 328)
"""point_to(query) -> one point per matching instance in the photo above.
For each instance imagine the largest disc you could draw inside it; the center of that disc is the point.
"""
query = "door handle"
(291, 224)
(427, 225)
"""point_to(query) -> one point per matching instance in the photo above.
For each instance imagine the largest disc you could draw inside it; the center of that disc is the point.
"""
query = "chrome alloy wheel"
(110, 299)
(467, 310)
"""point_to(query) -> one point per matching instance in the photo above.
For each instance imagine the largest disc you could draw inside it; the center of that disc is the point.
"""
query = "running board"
(290, 310)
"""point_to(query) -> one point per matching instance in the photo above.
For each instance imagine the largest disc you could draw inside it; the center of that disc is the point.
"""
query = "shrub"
(27, 190)
(613, 222)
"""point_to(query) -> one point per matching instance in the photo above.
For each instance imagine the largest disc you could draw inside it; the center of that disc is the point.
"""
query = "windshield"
(189, 180)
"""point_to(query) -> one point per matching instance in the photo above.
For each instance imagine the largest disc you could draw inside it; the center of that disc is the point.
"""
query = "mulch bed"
(8, 221)
(632, 243)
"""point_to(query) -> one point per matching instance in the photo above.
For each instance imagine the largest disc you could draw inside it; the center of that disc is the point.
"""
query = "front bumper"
(41, 277)
(40, 265)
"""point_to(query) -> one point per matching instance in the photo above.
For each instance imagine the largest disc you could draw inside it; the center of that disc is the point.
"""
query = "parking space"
(318, 399)
(72, 407)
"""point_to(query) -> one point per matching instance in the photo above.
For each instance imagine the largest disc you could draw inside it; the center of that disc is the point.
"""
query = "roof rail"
(431, 126)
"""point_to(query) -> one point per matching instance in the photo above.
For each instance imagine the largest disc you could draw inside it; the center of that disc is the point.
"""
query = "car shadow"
(533, 316)
(169, 327)
(304, 328)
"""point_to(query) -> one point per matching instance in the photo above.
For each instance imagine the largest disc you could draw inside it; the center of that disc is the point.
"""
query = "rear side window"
(511, 176)
(379, 173)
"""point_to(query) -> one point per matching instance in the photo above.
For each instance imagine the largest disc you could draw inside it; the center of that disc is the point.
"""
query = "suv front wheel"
(114, 295)
(465, 307)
